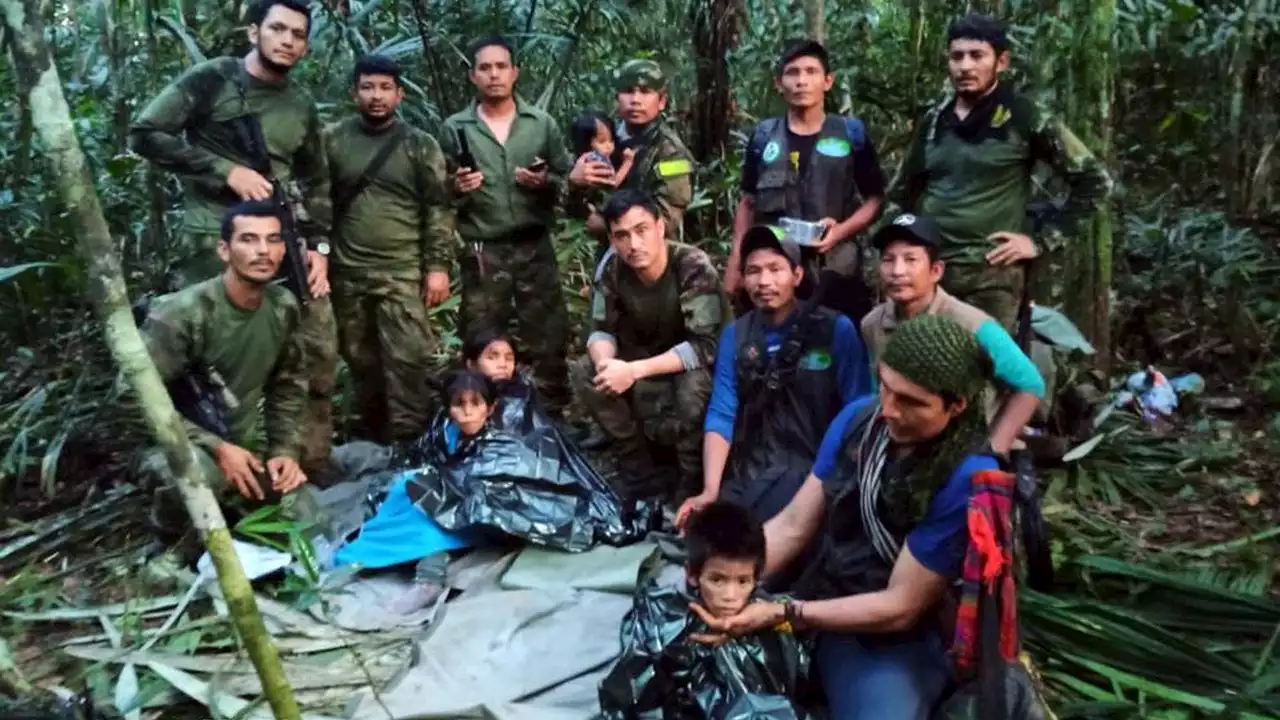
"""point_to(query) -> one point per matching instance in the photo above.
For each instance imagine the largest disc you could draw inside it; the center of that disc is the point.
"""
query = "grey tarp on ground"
(521, 654)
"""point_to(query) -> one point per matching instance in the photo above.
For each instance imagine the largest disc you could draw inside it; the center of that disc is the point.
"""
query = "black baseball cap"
(919, 230)
(770, 237)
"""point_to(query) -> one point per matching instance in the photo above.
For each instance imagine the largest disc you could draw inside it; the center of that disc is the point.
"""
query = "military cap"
(640, 73)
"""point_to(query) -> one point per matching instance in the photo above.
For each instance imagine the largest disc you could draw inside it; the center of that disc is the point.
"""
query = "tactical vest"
(846, 562)
(826, 188)
(786, 402)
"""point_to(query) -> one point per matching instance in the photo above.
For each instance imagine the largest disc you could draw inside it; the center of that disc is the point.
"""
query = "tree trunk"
(1235, 165)
(1088, 260)
(38, 79)
(716, 26)
(157, 235)
(815, 23)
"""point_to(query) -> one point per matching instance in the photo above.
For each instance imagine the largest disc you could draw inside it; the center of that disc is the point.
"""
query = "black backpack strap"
(344, 198)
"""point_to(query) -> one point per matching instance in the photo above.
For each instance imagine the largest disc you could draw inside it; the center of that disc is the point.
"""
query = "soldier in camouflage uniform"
(969, 167)
(510, 164)
(393, 239)
(646, 377)
(240, 330)
(187, 130)
(662, 166)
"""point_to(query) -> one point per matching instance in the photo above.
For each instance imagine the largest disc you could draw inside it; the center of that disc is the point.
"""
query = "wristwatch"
(322, 247)
(792, 610)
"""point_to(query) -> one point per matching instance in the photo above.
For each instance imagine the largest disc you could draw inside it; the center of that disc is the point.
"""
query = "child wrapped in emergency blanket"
(491, 468)
(667, 672)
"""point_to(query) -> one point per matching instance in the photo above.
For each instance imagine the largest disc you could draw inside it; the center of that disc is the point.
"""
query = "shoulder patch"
(674, 168)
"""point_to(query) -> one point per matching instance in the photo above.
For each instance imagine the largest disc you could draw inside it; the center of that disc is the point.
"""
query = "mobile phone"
(465, 159)
(538, 166)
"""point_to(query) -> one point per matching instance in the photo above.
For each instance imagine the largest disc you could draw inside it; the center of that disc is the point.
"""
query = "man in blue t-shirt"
(783, 372)
(892, 481)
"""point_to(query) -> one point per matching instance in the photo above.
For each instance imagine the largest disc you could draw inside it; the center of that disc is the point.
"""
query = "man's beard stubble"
(272, 65)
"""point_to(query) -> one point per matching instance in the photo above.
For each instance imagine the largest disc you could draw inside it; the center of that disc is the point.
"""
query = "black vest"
(785, 403)
(825, 190)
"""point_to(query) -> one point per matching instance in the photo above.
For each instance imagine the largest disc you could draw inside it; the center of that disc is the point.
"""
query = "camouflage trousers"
(320, 343)
(168, 513)
(386, 339)
(518, 278)
(997, 291)
(663, 412)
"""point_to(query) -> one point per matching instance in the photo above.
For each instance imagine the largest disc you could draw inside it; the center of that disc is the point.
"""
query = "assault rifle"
(199, 394)
(287, 201)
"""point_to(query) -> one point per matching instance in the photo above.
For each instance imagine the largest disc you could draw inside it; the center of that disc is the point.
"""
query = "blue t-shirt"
(939, 540)
(847, 352)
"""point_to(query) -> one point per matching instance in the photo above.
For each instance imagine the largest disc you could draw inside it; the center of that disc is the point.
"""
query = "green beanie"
(938, 354)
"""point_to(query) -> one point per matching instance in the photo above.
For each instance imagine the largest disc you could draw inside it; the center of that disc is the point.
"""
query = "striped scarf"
(988, 575)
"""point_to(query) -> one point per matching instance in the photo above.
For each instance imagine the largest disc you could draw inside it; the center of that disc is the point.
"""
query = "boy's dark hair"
(477, 341)
(624, 200)
(258, 10)
(465, 381)
(376, 65)
(245, 209)
(803, 48)
(583, 130)
(485, 41)
(983, 28)
(723, 529)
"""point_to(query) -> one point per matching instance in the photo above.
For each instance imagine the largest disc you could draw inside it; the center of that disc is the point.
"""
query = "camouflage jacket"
(186, 130)
(257, 353)
(685, 310)
(402, 224)
(664, 168)
(974, 176)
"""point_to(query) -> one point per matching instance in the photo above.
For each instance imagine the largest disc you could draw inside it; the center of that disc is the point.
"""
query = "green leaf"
(12, 271)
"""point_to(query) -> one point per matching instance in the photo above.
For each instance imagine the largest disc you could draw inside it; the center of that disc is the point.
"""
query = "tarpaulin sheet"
(492, 655)
(664, 673)
(521, 478)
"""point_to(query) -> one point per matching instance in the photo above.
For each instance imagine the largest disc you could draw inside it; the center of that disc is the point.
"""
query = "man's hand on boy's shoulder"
(756, 616)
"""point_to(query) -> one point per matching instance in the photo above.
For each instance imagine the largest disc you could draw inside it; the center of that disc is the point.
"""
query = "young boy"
(663, 672)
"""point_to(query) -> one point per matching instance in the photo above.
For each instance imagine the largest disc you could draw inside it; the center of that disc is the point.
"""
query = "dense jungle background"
(1165, 532)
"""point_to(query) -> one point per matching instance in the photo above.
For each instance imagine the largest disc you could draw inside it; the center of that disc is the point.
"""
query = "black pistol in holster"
(199, 394)
(287, 201)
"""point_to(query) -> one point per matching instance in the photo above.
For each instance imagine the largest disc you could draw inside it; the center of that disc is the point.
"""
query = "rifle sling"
(343, 200)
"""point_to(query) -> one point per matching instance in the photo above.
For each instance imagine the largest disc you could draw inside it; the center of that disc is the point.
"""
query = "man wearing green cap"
(783, 372)
(646, 378)
(910, 273)
(510, 161)
(662, 166)
(970, 165)
(892, 481)
(813, 167)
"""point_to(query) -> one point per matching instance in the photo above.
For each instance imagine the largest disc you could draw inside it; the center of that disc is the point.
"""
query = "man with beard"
(811, 166)
(238, 331)
(510, 162)
(193, 129)
(887, 508)
(911, 273)
(646, 376)
(662, 165)
(969, 167)
(783, 371)
(393, 237)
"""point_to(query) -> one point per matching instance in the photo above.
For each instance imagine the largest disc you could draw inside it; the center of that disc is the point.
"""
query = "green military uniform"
(974, 178)
(508, 263)
(198, 105)
(685, 310)
(258, 354)
(385, 240)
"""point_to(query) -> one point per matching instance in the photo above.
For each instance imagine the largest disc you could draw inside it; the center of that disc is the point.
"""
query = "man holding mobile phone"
(509, 162)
